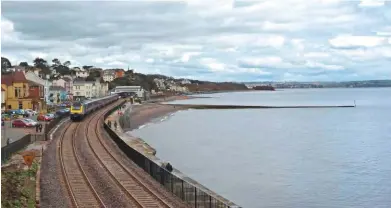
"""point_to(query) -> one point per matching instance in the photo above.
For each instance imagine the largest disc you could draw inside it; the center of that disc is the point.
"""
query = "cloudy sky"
(219, 40)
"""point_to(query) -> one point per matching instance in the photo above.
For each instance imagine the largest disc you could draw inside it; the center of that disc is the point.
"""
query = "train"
(80, 109)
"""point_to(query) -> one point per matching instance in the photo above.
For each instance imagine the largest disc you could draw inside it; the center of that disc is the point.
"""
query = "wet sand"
(142, 114)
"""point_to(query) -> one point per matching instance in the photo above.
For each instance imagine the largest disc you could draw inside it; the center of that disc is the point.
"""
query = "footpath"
(134, 142)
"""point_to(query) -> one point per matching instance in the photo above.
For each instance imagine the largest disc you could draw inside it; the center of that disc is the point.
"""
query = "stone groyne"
(201, 106)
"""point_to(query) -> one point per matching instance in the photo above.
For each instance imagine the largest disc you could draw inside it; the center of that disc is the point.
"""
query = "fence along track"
(130, 184)
(81, 191)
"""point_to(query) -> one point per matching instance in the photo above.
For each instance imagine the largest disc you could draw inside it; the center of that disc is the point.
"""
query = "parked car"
(22, 123)
(62, 112)
(43, 117)
(52, 115)
(34, 123)
(31, 112)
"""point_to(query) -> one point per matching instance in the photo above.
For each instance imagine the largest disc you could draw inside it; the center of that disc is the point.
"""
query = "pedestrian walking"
(40, 127)
(115, 125)
(37, 128)
(109, 123)
(169, 167)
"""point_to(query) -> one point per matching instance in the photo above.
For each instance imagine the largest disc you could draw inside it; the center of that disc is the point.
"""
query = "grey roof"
(67, 79)
(56, 88)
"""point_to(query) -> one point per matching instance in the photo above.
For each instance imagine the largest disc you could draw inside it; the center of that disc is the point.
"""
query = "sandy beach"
(142, 114)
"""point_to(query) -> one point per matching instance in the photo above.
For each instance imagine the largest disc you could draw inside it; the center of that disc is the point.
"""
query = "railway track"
(79, 187)
(129, 181)
(138, 190)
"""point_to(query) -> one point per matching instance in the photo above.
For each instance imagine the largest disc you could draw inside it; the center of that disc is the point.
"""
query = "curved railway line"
(140, 191)
(79, 187)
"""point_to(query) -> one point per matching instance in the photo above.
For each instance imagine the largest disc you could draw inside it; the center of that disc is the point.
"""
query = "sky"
(219, 40)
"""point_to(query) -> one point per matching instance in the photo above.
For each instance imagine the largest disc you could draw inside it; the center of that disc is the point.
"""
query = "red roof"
(9, 79)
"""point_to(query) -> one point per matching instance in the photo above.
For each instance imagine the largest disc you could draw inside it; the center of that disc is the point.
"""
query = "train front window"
(76, 106)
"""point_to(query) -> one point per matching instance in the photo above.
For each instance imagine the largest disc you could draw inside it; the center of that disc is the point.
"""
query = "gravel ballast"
(52, 194)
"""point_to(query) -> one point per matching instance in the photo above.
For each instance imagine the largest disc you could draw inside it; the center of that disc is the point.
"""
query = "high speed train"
(79, 110)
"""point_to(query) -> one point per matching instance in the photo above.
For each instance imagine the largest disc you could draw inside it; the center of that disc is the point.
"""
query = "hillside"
(214, 86)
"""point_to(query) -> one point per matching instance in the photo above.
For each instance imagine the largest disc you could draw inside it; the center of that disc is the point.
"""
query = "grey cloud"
(123, 31)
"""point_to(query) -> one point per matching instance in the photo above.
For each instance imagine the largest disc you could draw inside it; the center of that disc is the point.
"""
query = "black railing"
(188, 192)
(16, 146)
(13, 147)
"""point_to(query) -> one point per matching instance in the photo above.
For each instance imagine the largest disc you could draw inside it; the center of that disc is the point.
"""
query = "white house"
(104, 89)
(81, 72)
(64, 82)
(177, 88)
(89, 89)
(185, 81)
(160, 84)
(108, 75)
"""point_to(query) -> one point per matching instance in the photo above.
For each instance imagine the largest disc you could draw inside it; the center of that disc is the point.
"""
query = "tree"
(90, 78)
(5, 64)
(67, 63)
(94, 73)
(86, 67)
(56, 62)
(120, 81)
(62, 69)
(24, 64)
(42, 64)
(129, 72)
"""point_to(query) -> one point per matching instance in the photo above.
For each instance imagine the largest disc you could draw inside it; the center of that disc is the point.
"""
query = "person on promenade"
(40, 127)
(37, 128)
(169, 167)
(109, 123)
(115, 125)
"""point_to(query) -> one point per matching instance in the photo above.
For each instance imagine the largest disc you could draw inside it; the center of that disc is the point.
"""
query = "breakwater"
(198, 106)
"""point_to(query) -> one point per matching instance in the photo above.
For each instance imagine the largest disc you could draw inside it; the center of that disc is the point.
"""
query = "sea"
(296, 158)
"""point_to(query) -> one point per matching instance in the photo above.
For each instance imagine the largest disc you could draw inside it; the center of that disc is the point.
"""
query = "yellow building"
(3, 97)
(16, 91)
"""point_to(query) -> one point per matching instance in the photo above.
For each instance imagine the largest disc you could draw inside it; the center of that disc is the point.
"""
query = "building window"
(18, 93)
(20, 105)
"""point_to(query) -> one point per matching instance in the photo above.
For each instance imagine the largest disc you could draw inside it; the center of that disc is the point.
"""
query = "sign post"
(28, 157)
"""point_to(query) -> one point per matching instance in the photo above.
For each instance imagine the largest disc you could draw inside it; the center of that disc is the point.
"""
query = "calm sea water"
(285, 157)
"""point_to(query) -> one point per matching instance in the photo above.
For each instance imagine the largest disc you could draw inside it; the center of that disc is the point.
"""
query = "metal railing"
(186, 191)
(7, 151)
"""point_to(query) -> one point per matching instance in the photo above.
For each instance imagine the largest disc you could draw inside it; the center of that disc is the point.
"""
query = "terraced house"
(22, 93)
(3, 97)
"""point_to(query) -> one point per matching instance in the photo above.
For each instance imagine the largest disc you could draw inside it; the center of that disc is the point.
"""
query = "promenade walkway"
(132, 141)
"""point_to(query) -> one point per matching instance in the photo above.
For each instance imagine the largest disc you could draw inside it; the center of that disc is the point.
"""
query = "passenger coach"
(79, 110)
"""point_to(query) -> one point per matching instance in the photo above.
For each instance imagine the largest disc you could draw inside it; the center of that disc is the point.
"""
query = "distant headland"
(347, 84)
